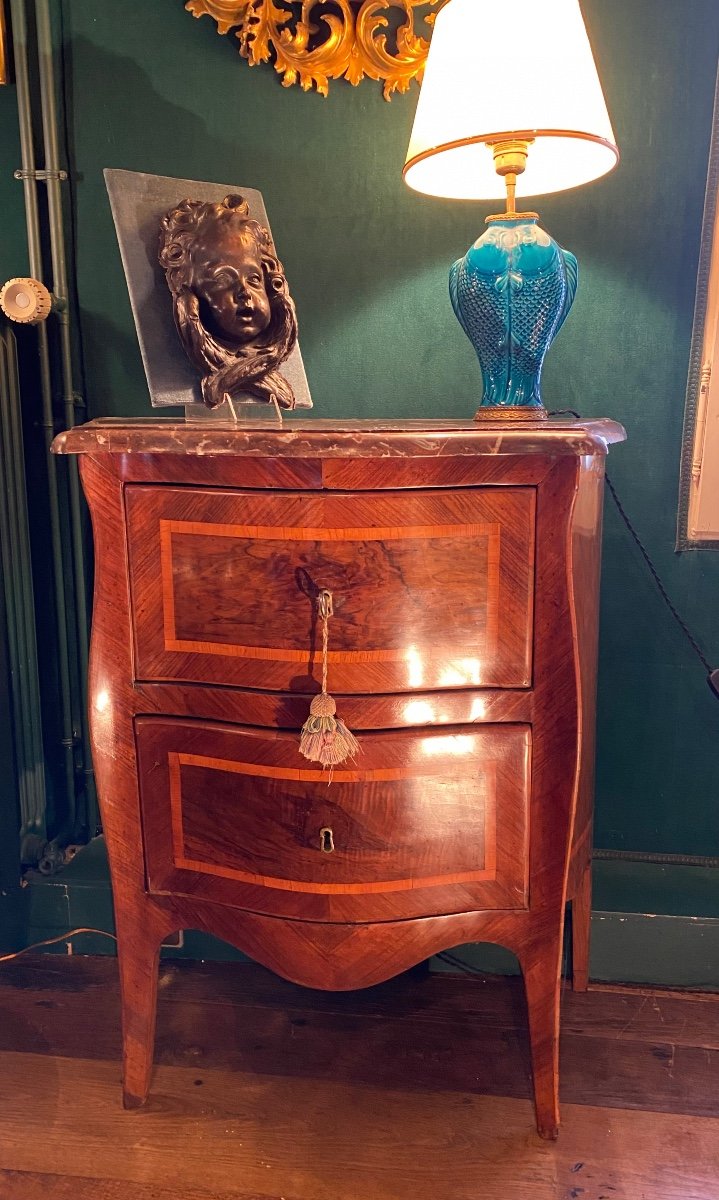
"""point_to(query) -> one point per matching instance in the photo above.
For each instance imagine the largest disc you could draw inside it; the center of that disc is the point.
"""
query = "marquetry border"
(491, 530)
(177, 760)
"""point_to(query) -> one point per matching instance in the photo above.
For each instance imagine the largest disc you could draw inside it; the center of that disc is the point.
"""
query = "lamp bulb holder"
(510, 155)
(510, 160)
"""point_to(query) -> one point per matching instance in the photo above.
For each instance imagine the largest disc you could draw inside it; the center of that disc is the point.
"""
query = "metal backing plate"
(138, 203)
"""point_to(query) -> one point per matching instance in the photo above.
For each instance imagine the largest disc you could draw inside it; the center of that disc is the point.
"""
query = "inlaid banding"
(176, 761)
(491, 531)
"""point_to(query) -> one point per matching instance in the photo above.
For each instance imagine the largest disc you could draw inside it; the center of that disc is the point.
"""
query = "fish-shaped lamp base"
(511, 293)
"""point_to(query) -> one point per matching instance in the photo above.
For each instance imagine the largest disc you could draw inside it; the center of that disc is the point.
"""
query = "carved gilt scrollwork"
(317, 40)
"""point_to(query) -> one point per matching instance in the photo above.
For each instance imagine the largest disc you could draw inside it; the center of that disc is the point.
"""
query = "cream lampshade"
(494, 73)
(511, 101)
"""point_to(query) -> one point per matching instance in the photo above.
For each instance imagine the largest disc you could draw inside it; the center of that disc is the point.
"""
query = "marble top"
(341, 439)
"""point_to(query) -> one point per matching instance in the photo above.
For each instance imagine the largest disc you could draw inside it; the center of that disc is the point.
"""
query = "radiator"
(20, 610)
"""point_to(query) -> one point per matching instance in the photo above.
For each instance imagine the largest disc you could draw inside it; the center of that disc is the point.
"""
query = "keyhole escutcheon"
(327, 841)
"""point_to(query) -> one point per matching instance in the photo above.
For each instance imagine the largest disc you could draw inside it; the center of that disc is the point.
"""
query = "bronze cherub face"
(231, 285)
(232, 307)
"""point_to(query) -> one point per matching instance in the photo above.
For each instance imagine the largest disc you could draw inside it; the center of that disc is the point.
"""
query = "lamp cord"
(53, 941)
(656, 577)
(712, 674)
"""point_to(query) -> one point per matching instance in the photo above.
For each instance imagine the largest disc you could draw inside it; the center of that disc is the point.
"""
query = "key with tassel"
(325, 738)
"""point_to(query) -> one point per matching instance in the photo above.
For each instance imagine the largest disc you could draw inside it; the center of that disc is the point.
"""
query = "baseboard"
(638, 948)
(652, 925)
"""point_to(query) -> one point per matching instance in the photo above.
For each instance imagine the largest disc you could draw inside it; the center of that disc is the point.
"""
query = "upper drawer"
(431, 589)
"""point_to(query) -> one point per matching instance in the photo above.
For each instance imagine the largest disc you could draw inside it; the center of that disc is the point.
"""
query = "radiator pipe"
(31, 815)
(33, 830)
(27, 151)
(70, 398)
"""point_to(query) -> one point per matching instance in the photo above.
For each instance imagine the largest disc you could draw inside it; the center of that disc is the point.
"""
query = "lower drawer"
(423, 822)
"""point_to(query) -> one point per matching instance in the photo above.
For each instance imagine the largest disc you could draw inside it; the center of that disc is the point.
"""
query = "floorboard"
(34, 1185)
(418, 1090)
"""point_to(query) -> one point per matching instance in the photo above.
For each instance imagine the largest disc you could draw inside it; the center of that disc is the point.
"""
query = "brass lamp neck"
(510, 159)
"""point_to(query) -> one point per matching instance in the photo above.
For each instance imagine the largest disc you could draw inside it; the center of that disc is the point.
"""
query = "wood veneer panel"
(365, 474)
(421, 821)
(585, 560)
(336, 474)
(282, 711)
(236, 572)
(191, 470)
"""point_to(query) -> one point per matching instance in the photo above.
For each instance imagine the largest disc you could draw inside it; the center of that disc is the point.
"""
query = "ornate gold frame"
(343, 39)
(3, 46)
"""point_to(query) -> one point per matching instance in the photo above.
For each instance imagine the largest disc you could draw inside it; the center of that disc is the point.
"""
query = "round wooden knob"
(25, 301)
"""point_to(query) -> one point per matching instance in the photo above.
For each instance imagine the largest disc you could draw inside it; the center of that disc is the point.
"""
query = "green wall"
(13, 245)
(149, 88)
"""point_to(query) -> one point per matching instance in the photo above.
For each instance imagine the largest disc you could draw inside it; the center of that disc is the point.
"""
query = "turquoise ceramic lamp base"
(511, 293)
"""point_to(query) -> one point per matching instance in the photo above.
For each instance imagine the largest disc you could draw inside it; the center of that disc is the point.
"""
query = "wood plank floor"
(415, 1090)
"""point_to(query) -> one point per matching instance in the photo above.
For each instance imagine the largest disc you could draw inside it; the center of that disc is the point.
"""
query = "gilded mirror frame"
(313, 42)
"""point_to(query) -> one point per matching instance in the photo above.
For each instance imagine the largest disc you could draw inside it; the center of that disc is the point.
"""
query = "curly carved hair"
(250, 368)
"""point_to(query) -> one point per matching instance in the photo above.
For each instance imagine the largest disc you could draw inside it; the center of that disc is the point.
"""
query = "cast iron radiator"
(20, 610)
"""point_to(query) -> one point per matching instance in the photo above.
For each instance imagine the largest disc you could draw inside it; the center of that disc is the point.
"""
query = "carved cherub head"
(232, 307)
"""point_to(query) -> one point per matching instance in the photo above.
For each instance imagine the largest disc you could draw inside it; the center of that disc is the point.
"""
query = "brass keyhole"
(327, 841)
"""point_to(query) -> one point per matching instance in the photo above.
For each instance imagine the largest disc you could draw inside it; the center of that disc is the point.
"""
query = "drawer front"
(431, 589)
(421, 823)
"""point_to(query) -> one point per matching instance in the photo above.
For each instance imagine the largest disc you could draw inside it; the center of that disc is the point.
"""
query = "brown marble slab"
(342, 439)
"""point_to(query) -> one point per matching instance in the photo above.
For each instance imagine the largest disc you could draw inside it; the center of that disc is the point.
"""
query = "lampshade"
(500, 71)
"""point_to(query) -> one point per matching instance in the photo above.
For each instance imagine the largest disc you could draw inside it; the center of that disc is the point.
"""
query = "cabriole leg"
(138, 952)
(541, 971)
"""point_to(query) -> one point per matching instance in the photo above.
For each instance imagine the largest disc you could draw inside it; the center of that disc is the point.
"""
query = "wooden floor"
(416, 1090)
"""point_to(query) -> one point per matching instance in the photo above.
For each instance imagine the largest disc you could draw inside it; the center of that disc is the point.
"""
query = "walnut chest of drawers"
(463, 560)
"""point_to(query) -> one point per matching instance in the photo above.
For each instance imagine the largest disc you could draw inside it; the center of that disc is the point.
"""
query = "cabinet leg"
(138, 952)
(581, 922)
(541, 969)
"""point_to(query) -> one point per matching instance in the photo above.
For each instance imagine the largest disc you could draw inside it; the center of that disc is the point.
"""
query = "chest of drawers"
(463, 560)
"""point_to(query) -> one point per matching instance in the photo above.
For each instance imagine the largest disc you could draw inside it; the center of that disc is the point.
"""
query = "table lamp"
(511, 101)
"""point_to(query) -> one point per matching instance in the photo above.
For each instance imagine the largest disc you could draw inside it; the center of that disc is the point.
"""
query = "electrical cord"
(712, 673)
(459, 964)
(53, 941)
(655, 576)
(464, 968)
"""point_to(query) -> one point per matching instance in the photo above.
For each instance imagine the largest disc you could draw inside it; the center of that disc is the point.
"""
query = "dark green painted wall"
(151, 89)
(13, 245)
(13, 242)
